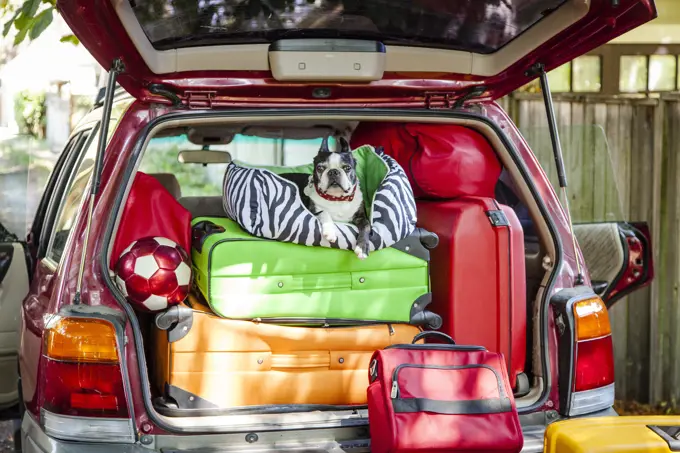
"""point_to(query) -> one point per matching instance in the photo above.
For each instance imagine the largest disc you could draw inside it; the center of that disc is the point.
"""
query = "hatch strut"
(116, 68)
(539, 69)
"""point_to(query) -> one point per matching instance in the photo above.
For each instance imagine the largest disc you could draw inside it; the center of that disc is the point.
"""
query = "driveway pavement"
(7, 436)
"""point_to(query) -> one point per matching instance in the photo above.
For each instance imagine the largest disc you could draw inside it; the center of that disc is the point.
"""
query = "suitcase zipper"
(395, 389)
(327, 322)
(395, 384)
(438, 347)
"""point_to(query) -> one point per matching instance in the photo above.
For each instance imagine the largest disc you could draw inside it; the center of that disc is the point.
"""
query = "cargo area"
(480, 280)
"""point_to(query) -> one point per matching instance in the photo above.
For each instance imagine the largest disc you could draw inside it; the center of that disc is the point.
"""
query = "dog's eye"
(347, 168)
(320, 168)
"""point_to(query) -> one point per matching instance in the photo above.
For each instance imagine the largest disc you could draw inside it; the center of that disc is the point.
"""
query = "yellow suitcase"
(645, 434)
(222, 363)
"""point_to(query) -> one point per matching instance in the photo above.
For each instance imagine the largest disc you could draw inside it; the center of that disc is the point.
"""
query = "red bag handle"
(432, 333)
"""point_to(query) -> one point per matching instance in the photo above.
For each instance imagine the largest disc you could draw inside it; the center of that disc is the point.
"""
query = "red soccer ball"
(154, 272)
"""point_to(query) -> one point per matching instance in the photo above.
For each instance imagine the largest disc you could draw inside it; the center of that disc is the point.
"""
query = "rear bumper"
(34, 440)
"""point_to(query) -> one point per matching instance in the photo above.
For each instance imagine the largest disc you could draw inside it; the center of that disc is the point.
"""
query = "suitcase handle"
(430, 333)
(201, 231)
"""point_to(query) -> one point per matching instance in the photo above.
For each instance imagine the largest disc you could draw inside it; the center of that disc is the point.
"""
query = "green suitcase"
(249, 278)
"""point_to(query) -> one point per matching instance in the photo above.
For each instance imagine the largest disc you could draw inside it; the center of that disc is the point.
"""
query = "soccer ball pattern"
(154, 272)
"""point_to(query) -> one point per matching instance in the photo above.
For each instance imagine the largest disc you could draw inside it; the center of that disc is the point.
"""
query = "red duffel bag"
(442, 161)
(441, 398)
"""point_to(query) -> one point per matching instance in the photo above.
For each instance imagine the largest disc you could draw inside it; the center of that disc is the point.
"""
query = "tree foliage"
(30, 110)
(29, 18)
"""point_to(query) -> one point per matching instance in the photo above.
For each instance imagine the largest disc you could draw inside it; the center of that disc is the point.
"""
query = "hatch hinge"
(198, 100)
(438, 101)
(472, 93)
(447, 101)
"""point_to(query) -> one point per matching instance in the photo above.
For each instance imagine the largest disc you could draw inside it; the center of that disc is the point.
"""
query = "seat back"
(204, 206)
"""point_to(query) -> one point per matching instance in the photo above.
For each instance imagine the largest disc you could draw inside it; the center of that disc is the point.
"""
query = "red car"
(199, 74)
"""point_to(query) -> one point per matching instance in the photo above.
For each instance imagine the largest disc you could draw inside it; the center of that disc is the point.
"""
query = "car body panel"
(618, 256)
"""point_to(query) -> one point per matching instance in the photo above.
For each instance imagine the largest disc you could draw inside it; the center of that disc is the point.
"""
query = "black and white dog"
(332, 193)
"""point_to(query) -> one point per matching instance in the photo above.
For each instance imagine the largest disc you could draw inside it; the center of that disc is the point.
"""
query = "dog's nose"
(334, 173)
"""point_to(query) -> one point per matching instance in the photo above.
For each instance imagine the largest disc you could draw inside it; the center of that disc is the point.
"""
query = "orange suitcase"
(222, 363)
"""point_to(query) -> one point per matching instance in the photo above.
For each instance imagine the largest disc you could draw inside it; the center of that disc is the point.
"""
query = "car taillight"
(84, 383)
(594, 351)
(586, 356)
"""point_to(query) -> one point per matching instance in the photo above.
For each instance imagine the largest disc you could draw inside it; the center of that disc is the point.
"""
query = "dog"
(332, 193)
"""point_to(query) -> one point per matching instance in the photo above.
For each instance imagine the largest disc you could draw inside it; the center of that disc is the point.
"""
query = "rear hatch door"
(222, 51)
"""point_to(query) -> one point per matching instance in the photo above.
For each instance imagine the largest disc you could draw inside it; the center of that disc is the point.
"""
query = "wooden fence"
(622, 162)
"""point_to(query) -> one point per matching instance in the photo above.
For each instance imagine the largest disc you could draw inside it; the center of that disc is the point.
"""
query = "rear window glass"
(481, 26)
(197, 180)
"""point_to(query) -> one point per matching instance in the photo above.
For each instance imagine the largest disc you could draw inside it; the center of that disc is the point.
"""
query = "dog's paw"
(329, 234)
(361, 252)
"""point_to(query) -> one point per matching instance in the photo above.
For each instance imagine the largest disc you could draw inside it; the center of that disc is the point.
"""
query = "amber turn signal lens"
(592, 319)
(86, 340)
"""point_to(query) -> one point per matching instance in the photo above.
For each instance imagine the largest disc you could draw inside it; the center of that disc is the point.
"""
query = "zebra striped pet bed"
(268, 206)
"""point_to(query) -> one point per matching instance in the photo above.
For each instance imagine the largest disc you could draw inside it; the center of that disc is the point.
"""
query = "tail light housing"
(586, 353)
(84, 397)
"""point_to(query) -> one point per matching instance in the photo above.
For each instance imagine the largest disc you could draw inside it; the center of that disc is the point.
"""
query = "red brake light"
(84, 389)
(594, 364)
(81, 365)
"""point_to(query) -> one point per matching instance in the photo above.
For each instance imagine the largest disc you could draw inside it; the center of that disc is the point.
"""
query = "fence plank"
(640, 194)
(671, 246)
(656, 357)
(601, 161)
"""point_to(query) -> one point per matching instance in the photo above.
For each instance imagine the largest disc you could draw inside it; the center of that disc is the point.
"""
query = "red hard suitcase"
(426, 398)
(477, 275)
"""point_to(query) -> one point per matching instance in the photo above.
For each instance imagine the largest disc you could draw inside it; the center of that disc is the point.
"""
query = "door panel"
(618, 256)
(13, 289)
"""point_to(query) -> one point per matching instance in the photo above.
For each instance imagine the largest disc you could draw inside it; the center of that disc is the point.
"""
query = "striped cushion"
(268, 206)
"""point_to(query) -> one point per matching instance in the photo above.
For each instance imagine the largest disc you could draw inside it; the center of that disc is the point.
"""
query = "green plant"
(29, 111)
(29, 18)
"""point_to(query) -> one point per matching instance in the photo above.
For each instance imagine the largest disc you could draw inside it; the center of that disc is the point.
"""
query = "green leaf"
(71, 39)
(8, 25)
(22, 21)
(41, 22)
(30, 7)
(27, 14)
(19, 38)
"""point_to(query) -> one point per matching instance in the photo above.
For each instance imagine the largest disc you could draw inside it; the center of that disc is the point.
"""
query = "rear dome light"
(81, 364)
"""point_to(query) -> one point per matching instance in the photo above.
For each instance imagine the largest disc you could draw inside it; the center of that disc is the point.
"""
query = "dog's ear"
(324, 146)
(343, 145)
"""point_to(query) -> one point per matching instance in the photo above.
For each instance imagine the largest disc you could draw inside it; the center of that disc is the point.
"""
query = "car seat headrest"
(169, 181)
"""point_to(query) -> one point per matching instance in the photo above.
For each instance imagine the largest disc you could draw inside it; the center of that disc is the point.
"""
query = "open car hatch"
(303, 51)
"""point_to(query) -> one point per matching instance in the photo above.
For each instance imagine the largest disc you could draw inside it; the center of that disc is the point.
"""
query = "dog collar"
(325, 196)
